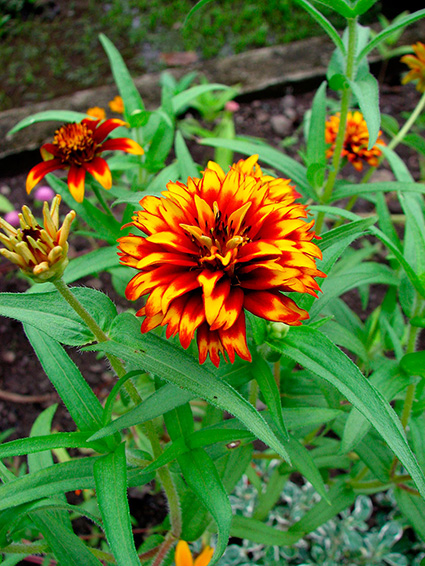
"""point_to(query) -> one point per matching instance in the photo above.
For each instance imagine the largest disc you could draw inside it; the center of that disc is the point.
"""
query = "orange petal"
(183, 556)
(76, 176)
(208, 279)
(40, 170)
(214, 301)
(100, 171)
(192, 317)
(123, 144)
(230, 310)
(179, 286)
(205, 557)
(274, 306)
(234, 340)
(209, 343)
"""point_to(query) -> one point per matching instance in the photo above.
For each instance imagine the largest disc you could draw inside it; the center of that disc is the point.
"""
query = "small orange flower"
(96, 112)
(183, 556)
(416, 63)
(76, 147)
(117, 105)
(215, 247)
(355, 142)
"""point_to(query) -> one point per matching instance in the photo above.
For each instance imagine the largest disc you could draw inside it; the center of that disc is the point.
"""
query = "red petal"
(230, 310)
(274, 306)
(209, 343)
(192, 317)
(40, 170)
(76, 176)
(122, 144)
(106, 128)
(234, 340)
(100, 171)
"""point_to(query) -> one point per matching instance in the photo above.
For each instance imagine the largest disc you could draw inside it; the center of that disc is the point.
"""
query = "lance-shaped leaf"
(110, 473)
(314, 351)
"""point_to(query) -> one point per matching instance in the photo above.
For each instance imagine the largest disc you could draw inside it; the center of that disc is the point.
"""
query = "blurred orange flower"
(355, 142)
(416, 63)
(96, 112)
(183, 556)
(216, 246)
(117, 105)
(76, 147)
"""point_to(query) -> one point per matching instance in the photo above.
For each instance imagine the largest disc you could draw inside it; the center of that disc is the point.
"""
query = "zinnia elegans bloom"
(117, 105)
(183, 556)
(40, 252)
(221, 244)
(356, 140)
(96, 112)
(76, 147)
(416, 63)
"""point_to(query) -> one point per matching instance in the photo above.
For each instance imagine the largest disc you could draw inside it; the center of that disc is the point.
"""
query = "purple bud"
(13, 218)
(44, 193)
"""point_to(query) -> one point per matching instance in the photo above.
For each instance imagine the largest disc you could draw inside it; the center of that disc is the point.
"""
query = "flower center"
(76, 143)
(219, 244)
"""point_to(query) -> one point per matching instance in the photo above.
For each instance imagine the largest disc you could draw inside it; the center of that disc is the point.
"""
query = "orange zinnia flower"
(183, 556)
(221, 244)
(355, 142)
(76, 147)
(416, 63)
(117, 105)
(96, 112)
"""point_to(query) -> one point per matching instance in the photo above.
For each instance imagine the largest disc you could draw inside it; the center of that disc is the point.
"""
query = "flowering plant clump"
(356, 141)
(255, 321)
(76, 147)
(221, 244)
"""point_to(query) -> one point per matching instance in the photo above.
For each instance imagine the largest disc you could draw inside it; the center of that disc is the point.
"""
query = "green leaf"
(400, 23)
(202, 477)
(5, 204)
(78, 397)
(414, 364)
(263, 374)
(177, 367)
(348, 190)
(60, 478)
(340, 495)
(324, 23)
(133, 102)
(318, 354)
(36, 444)
(187, 167)
(182, 100)
(67, 547)
(362, 6)
(366, 90)
(417, 426)
(194, 9)
(388, 381)
(50, 313)
(304, 463)
(413, 508)
(339, 283)
(299, 417)
(110, 474)
(273, 157)
(259, 532)
(47, 116)
(340, 6)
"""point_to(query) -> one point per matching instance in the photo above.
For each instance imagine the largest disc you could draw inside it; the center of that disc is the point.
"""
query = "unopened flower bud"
(40, 252)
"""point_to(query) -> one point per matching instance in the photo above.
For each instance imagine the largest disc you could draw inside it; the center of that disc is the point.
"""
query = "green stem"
(102, 201)
(164, 549)
(339, 141)
(408, 124)
(164, 473)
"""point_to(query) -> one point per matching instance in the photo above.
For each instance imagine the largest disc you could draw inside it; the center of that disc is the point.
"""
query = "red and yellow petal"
(39, 171)
(99, 169)
(100, 133)
(274, 306)
(122, 144)
(183, 556)
(205, 557)
(76, 177)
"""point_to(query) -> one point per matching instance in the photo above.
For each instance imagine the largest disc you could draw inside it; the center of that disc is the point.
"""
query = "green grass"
(45, 53)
